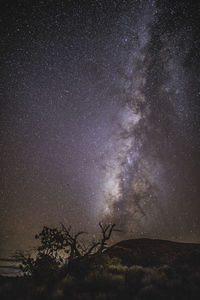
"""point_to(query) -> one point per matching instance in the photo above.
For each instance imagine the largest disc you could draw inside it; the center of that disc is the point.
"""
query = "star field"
(99, 118)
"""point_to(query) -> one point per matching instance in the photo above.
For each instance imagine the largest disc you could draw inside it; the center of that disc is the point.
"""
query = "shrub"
(104, 281)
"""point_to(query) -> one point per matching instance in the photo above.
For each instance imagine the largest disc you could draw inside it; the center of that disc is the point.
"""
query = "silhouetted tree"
(75, 249)
(106, 231)
(51, 240)
(55, 242)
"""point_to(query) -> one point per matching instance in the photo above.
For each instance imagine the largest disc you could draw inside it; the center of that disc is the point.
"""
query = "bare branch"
(106, 231)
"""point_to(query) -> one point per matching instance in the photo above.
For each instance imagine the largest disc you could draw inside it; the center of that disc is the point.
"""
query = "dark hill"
(153, 252)
(141, 252)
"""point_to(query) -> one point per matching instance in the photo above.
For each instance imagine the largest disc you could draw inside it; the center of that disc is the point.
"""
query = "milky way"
(147, 179)
(100, 118)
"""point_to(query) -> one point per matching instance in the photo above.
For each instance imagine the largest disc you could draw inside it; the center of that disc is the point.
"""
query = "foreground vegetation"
(133, 269)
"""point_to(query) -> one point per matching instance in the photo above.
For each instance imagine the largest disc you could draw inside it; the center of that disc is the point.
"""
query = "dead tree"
(106, 231)
(101, 245)
(54, 241)
(72, 242)
(77, 248)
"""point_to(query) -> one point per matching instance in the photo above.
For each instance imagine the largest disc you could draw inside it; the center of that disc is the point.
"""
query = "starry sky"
(100, 118)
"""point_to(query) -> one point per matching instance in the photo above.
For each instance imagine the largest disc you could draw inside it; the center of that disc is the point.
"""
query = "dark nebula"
(100, 118)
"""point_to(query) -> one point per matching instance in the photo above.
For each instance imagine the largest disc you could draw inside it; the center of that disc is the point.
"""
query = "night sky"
(100, 118)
